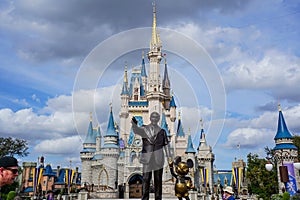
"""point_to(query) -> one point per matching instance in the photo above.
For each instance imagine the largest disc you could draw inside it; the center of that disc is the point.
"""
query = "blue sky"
(46, 46)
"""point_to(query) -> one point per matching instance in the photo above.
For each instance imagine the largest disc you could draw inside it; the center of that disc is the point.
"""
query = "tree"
(297, 144)
(262, 182)
(13, 146)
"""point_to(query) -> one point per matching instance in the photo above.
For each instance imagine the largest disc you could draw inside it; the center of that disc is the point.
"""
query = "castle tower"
(154, 94)
(190, 154)
(205, 160)
(98, 138)
(106, 173)
(286, 154)
(238, 170)
(124, 108)
(87, 153)
(144, 73)
(180, 139)
(166, 86)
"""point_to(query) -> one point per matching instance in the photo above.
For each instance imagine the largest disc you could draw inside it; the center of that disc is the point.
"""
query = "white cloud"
(249, 138)
(67, 145)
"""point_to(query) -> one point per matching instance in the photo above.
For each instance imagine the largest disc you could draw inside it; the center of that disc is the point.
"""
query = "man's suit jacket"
(153, 146)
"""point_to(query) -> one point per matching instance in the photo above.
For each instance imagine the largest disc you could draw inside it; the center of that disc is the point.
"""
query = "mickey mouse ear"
(189, 163)
(177, 160)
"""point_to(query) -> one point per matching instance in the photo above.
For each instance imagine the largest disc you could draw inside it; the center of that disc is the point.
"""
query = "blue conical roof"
(90, 137)
(143, 71)
(124, 89)
(164, 125)
(282, 130)
(180, 131)
(125, 84)
(172, 103)
(189, 147)
(111, 130)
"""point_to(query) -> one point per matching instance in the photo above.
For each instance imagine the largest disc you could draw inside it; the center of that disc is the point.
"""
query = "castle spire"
(282, 130)
(143, 71)
(166, 80)
(189, 147)
(154, 40)
(125, 82)
(90, 137)
(180, 132)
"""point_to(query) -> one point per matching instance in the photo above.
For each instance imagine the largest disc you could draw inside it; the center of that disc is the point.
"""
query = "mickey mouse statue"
(183, 183)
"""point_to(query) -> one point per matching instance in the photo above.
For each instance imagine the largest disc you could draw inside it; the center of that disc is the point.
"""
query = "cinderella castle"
(110, 159)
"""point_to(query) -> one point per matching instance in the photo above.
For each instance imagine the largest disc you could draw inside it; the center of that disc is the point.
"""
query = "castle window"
(132, 156)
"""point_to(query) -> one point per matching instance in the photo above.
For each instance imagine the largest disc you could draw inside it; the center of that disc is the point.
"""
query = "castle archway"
(135, 186)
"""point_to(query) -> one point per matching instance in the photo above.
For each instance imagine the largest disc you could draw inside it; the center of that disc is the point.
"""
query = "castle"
(110, 160)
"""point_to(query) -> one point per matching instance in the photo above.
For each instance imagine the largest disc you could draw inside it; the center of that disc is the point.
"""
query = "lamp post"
(280, 156)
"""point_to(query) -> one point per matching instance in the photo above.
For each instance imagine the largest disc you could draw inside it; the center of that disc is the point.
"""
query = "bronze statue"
(183, 183)
(154, 141)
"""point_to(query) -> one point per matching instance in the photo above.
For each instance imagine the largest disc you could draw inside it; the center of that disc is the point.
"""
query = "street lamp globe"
(269, 166)
(297, 165)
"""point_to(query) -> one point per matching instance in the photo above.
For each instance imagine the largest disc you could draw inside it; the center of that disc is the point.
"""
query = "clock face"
(138, 142)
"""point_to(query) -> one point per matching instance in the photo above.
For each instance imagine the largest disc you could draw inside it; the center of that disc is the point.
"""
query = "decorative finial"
(279, 107)
(143, 54)
(165, 57)
(154, 7)
(91, 116)
(125, 73)
(179, 116)
(189, 131)
(110, 104)
(201, 124)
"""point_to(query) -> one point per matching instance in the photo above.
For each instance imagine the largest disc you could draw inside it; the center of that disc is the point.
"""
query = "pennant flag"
(291, 185)
(37, 174)
(237, 176)
(69, 178)
(204, 176)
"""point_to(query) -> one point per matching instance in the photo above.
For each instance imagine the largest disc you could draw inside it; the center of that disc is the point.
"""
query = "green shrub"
(11, 195)
(286, 196)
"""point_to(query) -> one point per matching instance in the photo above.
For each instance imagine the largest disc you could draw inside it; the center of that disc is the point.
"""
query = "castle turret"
(125, 96)
(98, 138)
(144, 73)
(166, 86)
(111, 137)
(110, 154)
(164, 125)
(87, 153)
(180, 139)
(154, 95)
(172, 109)
(286, 154)
(205, 160)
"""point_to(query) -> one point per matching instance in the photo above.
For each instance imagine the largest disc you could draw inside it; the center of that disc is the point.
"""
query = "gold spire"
(91, 116)
(179, 115)
(125, 74)
(143, 54)
(155, 39)
(165, 57)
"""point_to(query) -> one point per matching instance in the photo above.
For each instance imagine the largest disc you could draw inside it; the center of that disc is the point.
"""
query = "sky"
(230, 63)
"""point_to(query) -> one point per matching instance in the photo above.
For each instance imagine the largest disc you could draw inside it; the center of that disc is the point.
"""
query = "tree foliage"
(297, 144)
(262, 182)
(13, 146)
